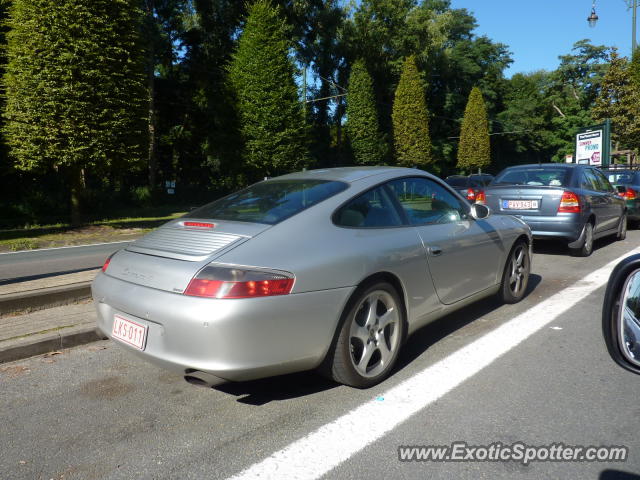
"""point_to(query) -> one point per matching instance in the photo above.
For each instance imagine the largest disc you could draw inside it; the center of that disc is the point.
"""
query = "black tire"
(357, 327)
(587, 245)
(515, 276)
(622, 228)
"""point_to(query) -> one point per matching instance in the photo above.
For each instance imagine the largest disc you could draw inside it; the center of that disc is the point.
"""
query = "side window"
(425, 201)
(588, 181)
(603, 183)
(371, 209)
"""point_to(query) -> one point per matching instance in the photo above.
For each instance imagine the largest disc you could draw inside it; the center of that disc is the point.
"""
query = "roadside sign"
(568, 158)
(593, 145)
(589, 147)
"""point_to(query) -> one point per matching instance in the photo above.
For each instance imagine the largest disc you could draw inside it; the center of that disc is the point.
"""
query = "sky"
(537, 32)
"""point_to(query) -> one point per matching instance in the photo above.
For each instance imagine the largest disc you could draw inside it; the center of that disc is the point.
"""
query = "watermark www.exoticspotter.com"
(515, 452)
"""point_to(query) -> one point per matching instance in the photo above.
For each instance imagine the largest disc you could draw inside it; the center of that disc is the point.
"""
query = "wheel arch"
(383, 276)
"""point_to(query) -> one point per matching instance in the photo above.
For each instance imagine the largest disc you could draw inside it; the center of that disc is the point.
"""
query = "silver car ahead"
(328, 269)
(572, 202)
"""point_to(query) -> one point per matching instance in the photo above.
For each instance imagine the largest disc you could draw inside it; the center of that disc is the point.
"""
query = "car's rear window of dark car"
(482, 180)
(619, 176)
(269, 202)
(535, 176)
(457, 181)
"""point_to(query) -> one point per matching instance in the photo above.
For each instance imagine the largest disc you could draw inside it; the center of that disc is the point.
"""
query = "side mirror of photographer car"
(621, 314)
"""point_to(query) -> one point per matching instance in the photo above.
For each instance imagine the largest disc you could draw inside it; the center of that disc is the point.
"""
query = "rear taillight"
(225, 282)
(471, 194)
(569, 203)
(630, 194)
(481, 198)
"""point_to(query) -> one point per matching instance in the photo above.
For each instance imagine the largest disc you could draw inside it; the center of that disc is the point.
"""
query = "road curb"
(37, 344)
(44, 297)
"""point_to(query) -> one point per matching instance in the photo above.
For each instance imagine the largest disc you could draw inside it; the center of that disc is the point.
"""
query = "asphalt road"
(29, 265)
(96, 412)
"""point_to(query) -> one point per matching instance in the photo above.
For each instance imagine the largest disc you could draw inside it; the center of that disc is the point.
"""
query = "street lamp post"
(593, 18)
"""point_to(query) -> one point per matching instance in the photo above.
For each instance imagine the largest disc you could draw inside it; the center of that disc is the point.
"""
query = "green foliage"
(619, 100)
(22, 244)
(411, 119)
(634, 67)
(452, 57)
(269, 108)
(474, 150)
(75, 85)
(369, 147)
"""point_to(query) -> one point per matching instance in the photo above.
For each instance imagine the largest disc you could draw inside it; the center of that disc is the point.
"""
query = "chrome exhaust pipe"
(202, 379)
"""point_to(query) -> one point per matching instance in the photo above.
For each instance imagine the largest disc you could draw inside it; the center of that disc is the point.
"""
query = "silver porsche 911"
(329, 269)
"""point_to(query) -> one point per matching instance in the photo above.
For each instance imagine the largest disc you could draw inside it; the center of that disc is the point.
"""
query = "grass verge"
(98, 231)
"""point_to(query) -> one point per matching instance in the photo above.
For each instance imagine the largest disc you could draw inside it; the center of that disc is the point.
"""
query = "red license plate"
(129, 332)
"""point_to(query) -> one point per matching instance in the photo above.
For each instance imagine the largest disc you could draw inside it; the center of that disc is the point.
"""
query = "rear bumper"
(567, 226)
(633, 210)
(232, 339)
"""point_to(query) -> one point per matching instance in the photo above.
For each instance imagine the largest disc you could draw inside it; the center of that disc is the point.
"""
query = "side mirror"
(621, 314)
(621, 189)
(479, 211)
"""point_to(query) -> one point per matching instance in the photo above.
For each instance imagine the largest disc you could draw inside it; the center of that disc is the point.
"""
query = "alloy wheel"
(519, 268)
(374, 335)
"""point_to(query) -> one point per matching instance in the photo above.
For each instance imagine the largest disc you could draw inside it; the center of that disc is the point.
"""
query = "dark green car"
(627, 181)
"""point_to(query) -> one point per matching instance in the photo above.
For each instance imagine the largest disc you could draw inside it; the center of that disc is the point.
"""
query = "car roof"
(348, 174)
(556, 165)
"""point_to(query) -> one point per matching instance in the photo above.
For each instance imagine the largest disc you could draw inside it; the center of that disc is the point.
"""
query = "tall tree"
(634, 67)
(4, 11)
(411, 119)
(525, 121)
(368, 145)
(572, 91)
(163, 26)
(619, 100)
(76, 88)
(269, 107)
(474, 150)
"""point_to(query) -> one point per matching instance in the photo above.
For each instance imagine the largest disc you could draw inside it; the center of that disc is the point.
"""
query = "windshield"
(553, 177)
(269, 202)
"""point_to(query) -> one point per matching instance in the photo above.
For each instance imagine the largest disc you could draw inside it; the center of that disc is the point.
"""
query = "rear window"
(620, 176)
(269, 202)
(457, 181)
(552, 177)
(482, 180)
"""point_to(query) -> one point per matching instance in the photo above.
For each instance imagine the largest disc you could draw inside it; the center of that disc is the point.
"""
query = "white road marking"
(330, 445)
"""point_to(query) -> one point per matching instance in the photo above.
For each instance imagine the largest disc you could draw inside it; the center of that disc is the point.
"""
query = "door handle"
(434, 251)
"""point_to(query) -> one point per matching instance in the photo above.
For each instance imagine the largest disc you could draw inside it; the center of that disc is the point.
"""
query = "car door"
(463, 253)
(595, 198)
(614, 205)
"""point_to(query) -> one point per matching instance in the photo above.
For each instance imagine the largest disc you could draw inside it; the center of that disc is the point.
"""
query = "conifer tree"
(368, 145)
(75, 88)
(411, 119)
(269, 108)
(474, 150)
